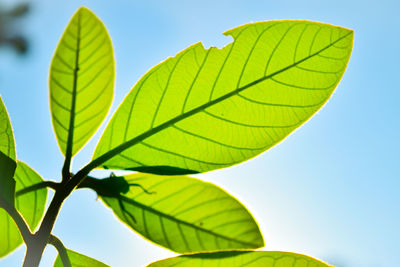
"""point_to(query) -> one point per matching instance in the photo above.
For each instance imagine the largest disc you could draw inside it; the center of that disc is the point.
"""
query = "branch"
(18, 219)
(36, 247)
(50, 184)
(62, 251)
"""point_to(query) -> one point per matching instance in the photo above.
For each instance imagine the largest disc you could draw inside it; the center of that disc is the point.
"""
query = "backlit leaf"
(81, 81)
(7, 157)
(79, 260)
(31, 205)
(7, 145)
(180, 213)
(206, 109)
(242, 258)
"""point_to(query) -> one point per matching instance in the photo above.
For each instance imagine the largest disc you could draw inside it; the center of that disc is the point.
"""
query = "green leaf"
(7, 183)
(79, 260)
(242, 258)
(206, 109)
(7, 157)
(81, 81)
(7, 145)
(180, 213)
(31, 205)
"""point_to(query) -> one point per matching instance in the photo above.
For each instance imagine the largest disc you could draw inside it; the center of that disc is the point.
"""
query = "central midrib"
(69, 149)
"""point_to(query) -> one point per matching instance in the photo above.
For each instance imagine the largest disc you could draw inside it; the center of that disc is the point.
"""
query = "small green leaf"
(7, 157)
(31, 205)
(81, 81)
(242, 258)
(7, 145)
(206, 109)
(79, 260)
(180, 213)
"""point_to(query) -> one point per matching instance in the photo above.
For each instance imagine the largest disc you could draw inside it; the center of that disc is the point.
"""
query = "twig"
(62, 251)
(50, 184)
(18, 219)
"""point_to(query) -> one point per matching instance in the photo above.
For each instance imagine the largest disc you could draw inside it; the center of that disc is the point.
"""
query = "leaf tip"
(83, 11)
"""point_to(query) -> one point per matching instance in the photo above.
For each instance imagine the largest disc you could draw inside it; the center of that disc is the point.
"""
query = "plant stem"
(40, 239)
(50, 184)
(18, 219)
(36, 243)
(62, 251)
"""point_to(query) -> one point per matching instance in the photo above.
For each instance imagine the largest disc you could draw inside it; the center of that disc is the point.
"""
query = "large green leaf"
(206, 109)
(180, 213)
(7, 157)
(31, 205)
(242, 258)
(79, 260)
(81, 81)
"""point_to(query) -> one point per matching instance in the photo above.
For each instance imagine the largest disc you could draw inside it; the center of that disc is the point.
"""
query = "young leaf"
(7, 157)
(242, 258)
(81, 81)
(7, 145)
(180, 213)
(206, 109)
(31, 205)
(79, 260)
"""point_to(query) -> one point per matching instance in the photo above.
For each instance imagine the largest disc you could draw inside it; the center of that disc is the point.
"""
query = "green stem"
(34, 187)
(41, 237)
(18, 219)
(62, 251)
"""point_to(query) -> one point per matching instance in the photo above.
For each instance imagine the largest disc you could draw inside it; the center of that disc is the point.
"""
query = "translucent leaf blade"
(31, 205)
(242, 258)
(81, 80)
(79, 260)
(181, 213)
(7, 144)
(206, 109)
(7, 157)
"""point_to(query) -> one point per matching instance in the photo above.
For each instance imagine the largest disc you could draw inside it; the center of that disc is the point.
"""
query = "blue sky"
(330, 190)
